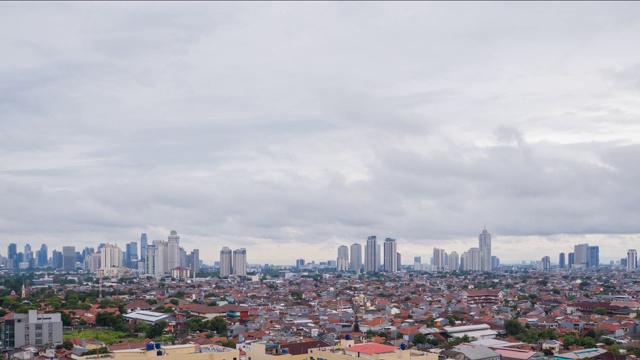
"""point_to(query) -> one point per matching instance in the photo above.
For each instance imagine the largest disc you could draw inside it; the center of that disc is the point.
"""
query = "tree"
(513, 327)
(600, 311)
(229, 344)
(218, 324)
(419, 339)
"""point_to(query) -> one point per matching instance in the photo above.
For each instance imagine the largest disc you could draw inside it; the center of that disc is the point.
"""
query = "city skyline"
(241, 125)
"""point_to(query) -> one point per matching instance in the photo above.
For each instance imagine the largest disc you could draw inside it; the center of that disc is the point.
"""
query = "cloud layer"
(291, 129)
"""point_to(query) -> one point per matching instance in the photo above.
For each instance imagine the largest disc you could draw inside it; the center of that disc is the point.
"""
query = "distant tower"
(484, 242)
(225, 261)
(195, 261)
(69, 258)
(561, 261)
(356, 257)
(632, 259)
(239, 262)
(111, 256)
(143, 246)
(173, 251)
(370, 254)
(454, 261)
(342, 263)
(390, 255)
(571, 260)
(581, 255)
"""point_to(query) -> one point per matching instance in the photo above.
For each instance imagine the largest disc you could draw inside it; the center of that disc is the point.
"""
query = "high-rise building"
(495, 262)
(593, 256)
(438, 259)
(399, 262)
(484, 242)
(154, 263)
(299, 263)
(342, 262)
(417, 260)
(356, 257)
(546, 263)
(632, 259)
(93, 262)
(370, 250)
(173, 250)
(43, 255)
(454, 261)
(194, 261)
(12, 253)
(225, 261)
(239, 262)
(581, 255)
(132, 255)
(561, 261)
(474, 259)
(56, 259)
(28, 254)
(69, 258)
(143, 246)
(390, 255)
(571, 260)
(110, 256)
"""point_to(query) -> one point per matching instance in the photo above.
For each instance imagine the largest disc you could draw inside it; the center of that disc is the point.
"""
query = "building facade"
(390, 255)
(31, 329)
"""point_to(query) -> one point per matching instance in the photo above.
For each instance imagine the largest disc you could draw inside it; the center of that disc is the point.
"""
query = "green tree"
(513, 327)
(419, 339)
(600, 311)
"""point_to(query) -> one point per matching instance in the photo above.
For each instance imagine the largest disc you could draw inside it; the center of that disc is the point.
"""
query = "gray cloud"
(293, 128)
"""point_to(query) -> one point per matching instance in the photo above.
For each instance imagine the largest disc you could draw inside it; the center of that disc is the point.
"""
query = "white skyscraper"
(581, 254)
(110, 256)
(173, 251)
(239, 262)
(484, 243)
(342, 263)
(370, 254)
(154, 263)
(356, 257)
(454, 261)
(225, 261)
(390, 255)
(474, 259)
(632, 259)
(439, 259)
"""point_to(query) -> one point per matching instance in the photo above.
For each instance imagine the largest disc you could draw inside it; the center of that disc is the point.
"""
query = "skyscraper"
(370, 254)
(390, 255)
(581, 254)
(143, 246)
(356, 257)
(239, 262)
(546, 263)
(299, 263)
(154, 263)
(43, 255)
(69, 258)
(173, 251)
(225, 261)
(342, 262)
(571, 260)
(484, 242)
(454, 261)
(438, 259)
(131, 260)
(475, 259)
(561, 261)
(593, 256)
(12, 253)
(194, 260)
(110, 256)
(56, 259)
(632, 259)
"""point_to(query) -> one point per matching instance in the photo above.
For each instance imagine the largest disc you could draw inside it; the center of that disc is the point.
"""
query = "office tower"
(110, 257)
(56, 259)
(370, 250)
(299, 263)
(69, 258)
(183, 257)
(28, 254)
(390, 255)
(379, 257)
(438, 259)
(454, 261)
(561, 262)
(399, 261)
(194, 261)
(593, 256)
(43, 255)
(484, 242)
(581, 254)
(132, 255)
(632, 259)
(143, 246)
(173, 251)
(342, 263)
(495, 262)
(571, 260)
(240, 262)
(12, 253)
(225, 261)
(417, 260)
(546, 263)
(356, 257)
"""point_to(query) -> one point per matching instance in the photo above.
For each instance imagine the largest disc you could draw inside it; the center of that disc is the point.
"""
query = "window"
(38, 326)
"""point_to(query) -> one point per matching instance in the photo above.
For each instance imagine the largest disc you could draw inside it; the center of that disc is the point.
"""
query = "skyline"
(242, 125)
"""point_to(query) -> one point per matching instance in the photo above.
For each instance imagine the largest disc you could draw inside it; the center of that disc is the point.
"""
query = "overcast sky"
(292, 128)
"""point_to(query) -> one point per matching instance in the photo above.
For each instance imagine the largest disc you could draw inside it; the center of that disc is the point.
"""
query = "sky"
(293, 128)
